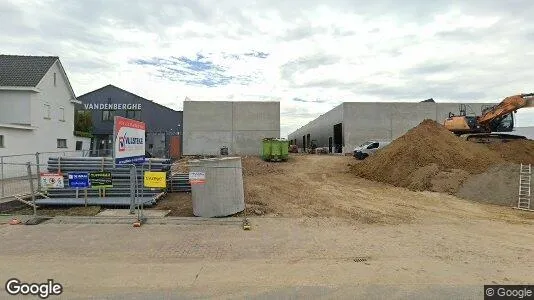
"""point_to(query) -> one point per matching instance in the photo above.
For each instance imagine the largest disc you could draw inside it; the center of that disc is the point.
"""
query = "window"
(79, 145)
(55, 79)
(61, 143)
(107, 115)
(133, 114)
(373, 146)
(2, 141)
(47, 111)
(62, 114)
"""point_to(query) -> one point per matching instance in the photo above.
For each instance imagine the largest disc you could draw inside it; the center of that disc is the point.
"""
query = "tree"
(83, 122)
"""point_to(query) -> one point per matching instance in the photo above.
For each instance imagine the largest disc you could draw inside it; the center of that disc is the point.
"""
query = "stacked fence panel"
(119, 194)
(179, 182)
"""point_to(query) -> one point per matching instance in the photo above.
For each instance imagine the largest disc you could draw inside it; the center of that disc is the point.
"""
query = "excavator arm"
(508, 105)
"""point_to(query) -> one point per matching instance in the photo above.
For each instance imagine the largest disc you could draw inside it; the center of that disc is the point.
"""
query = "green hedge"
(83, 134)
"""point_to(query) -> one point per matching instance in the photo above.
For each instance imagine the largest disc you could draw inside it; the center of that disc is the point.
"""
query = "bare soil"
(430, 157)
(324, 186)
(59, 211)
(180, 204)
(427, 144)
(516, 151)
(498, 185)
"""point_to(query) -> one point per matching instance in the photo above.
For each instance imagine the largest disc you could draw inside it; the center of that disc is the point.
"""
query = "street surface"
(278, 258)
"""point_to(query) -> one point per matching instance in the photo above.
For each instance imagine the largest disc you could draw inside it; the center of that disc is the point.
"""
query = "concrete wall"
(528, 132)
(319, 129)
(363, 121)
(240, 126)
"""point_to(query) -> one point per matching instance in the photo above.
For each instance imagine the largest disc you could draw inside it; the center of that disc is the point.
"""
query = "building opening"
(338, 138)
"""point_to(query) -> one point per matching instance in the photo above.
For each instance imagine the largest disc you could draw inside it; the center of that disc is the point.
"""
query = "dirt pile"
(254, 166)
(498, 185)
(428, 157)
(180, 166)
(516, 151)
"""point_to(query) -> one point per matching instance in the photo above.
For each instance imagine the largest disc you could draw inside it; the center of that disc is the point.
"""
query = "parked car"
(368, 148)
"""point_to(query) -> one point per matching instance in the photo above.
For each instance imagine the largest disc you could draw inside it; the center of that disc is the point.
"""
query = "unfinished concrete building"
(351, 124)
(239, 126)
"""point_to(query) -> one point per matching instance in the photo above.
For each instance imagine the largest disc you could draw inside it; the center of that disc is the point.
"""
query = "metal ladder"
(525, 174)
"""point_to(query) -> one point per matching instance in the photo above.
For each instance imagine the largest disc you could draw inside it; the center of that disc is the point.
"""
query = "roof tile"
(24, 71)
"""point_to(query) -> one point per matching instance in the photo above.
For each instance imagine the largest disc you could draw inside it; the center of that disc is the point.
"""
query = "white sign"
(129, 144)
(197, 177)
(113, 106)
(52, 180)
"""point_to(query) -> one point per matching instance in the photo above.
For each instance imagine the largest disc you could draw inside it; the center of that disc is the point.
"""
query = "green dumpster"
(266, 149)
(276, 150)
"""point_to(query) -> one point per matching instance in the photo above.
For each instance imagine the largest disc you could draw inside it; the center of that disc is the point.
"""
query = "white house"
(36, 107)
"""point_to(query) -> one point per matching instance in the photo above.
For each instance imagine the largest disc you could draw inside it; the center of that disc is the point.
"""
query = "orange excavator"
(486, 128)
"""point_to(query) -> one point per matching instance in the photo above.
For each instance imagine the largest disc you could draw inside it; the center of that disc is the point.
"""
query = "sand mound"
(498, 185)
(516, 151)
(428, 157)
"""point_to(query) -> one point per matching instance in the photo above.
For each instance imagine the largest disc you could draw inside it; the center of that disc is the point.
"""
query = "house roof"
(24, 71)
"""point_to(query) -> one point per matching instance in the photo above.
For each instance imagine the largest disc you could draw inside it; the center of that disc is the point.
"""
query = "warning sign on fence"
(155, 179)
(52, 180)
(100, 180)
(197, 177)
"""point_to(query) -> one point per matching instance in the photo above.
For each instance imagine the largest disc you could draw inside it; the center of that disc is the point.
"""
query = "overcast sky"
(309, 55)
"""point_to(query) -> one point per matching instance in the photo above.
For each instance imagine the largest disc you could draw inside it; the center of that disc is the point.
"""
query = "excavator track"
(490, 138)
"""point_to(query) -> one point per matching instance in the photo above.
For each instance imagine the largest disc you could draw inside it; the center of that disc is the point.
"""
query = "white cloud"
(321, 52)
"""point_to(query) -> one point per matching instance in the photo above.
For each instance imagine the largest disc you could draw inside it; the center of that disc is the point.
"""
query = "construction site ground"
(322, 233)
(323, 186)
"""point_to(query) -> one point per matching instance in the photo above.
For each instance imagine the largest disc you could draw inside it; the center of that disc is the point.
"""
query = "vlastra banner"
(129, 145)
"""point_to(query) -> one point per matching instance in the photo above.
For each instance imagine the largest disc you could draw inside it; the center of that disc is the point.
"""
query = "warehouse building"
(239, 126)
(353, 123)
(163, 125)
(527, 132)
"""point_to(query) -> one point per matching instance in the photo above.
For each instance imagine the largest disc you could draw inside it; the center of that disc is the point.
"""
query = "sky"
(309, 55)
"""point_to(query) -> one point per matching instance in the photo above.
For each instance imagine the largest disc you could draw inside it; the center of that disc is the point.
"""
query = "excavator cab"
(503, 124)
(495, 119)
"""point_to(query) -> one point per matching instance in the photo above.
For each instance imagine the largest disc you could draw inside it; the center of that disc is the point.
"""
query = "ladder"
(525, 174)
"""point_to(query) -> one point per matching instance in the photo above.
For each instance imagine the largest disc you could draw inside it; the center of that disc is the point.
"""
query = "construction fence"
(45, 179)
(13, 169)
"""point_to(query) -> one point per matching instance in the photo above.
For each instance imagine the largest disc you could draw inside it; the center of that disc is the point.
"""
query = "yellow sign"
(155, 179)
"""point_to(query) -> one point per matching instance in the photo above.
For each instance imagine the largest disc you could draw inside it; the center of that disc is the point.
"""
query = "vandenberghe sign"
(113, 106)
